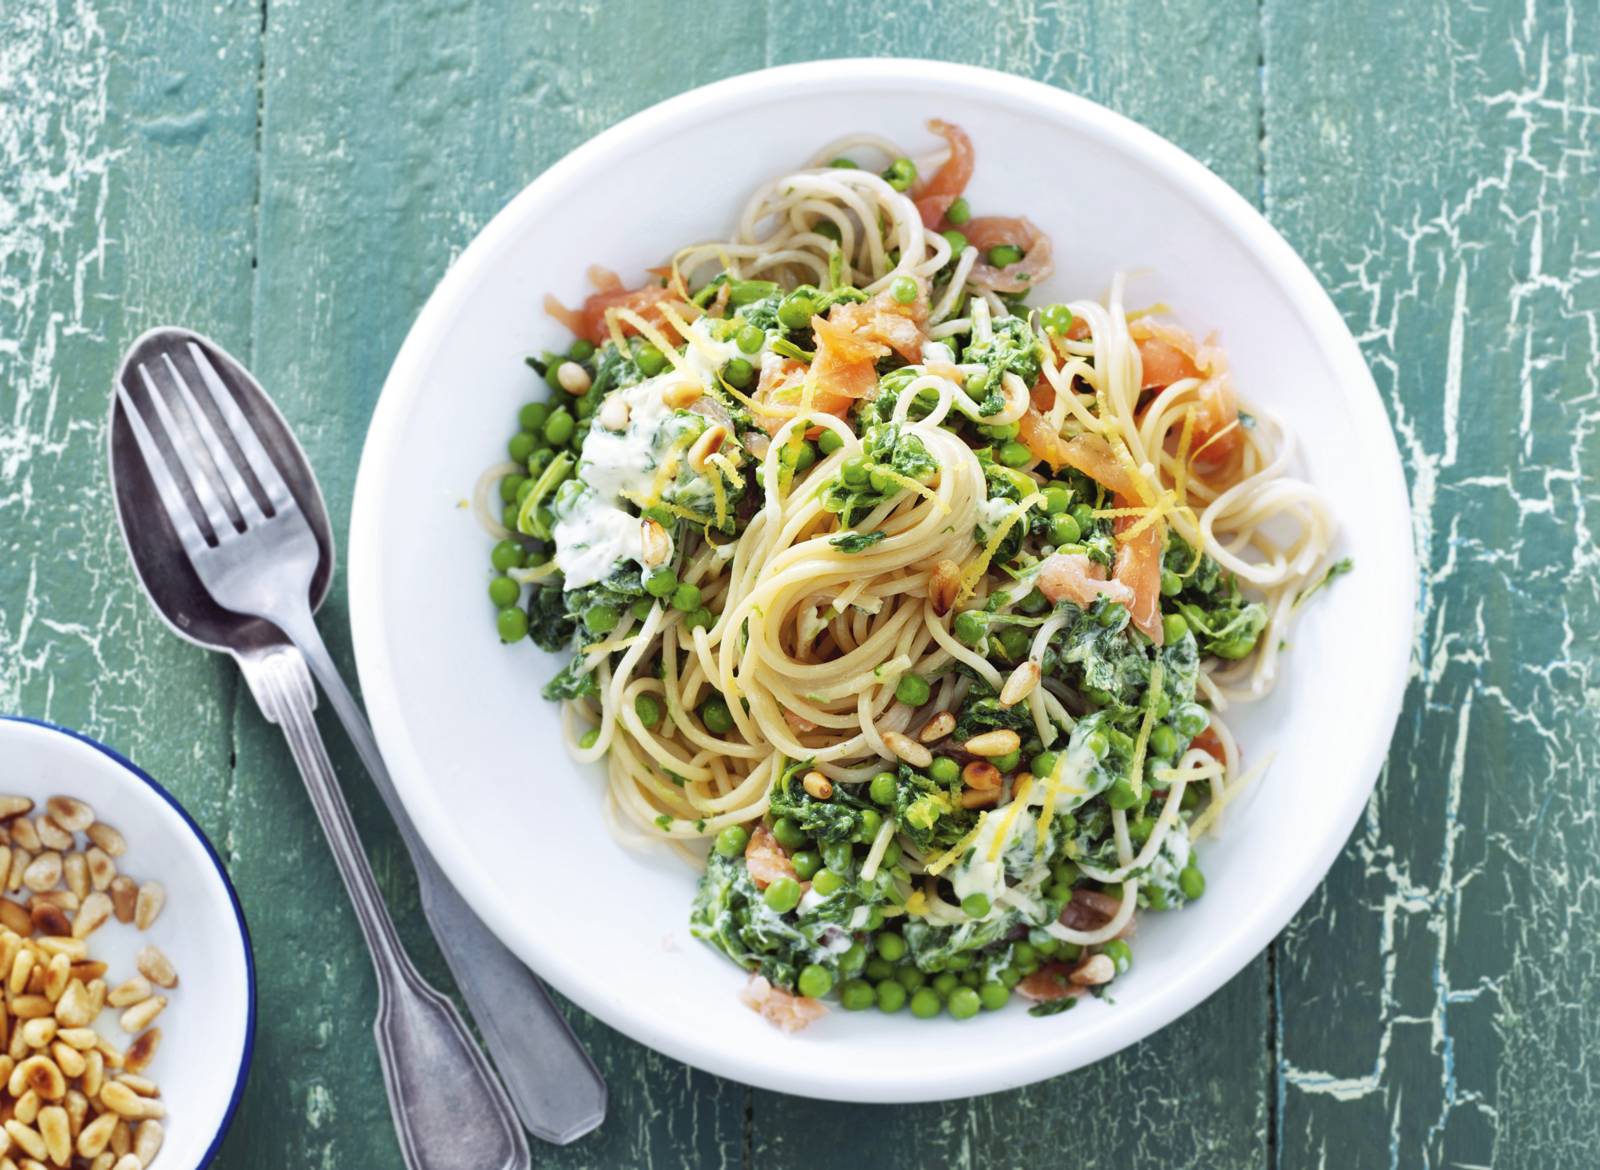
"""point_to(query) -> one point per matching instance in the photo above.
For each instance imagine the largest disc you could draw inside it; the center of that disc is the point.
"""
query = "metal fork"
(253, 549)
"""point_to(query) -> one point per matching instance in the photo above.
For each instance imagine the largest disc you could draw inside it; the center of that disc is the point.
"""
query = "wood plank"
(1435, 1001)
(387, 143)
(1194, 1094)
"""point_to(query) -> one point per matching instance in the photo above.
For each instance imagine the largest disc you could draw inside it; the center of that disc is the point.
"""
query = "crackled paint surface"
(293, 179)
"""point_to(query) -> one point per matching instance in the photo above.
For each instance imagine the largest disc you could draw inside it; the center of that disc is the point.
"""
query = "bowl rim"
(1294, 281)
(247, 1052)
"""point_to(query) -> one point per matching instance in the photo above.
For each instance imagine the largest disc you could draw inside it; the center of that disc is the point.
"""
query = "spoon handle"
(450, 1112)
(557, 1091)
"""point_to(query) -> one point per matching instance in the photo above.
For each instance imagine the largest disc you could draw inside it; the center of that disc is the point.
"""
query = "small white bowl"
(208, 1027)
(475, 752)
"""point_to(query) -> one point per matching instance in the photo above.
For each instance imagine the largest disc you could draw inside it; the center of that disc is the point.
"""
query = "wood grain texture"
(295, 181)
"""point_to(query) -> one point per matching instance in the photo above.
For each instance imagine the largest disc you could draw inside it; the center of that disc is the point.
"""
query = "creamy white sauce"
(937, 351)
(994, 510)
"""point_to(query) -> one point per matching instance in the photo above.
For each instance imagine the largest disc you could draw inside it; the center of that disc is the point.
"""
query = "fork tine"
(243, 498)
(261, 464)
(210, 504)
(178, 511)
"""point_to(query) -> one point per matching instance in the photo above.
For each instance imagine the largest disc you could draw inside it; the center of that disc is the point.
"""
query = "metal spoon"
(556, 1089)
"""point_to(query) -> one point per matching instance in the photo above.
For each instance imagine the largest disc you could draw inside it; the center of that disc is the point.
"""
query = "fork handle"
(450, 1112)
(557, 1091)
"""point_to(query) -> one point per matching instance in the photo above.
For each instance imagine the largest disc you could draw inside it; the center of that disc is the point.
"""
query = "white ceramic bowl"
(208, 1026)
(475, 752)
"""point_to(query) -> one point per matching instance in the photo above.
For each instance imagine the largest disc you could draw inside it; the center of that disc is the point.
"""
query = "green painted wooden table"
(293, 177)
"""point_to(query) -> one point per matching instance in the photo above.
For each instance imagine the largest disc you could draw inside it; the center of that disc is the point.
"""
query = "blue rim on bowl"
(248, 1052)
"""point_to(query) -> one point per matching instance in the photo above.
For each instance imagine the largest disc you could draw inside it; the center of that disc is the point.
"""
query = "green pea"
(532, 415)
(686, 597)
(912, 690)
(844, 164)
(925, 1003)
(1084, 515)
(1056, 500)
(1121, 794)
(944, 983)
(878, 969)
(1098, 743)
(1191, 881)
(1139, 830)
(701, 618)
(1174, 627)
(1002, 255)
(829, 441)
(1014, 454)
(589, 738)
(879, 481)
(853, 959)
(1014, 641)
(788, 834)
(1057, 319)
(857, 995)
(993, 996)
(715, 715)
(1065, 872)
(510, 485)
(648, 709)
(827, 882)
(1119, 953)
(1191, 797)
(796, 311)
(508, 554)
(871, 822)
(1113, 614)
(1044, 764)
(975, 905)
(970, 626)
(972, 978)
(891, 946)
(512, 624)
(601, 619)
(1023, 955)
(805, 455)
(910, 977)
(1190, 720)
(838, 856)
(1163, 741)
(959, 212)
(964, 1003)
(508, 516)
(1001, 431)
(891, 995)
(855, 471)
(1171, 583)
(882, 789)
(806, 863)
(782, 895)
(503, 591)
(641, 609)
(738, 373)
(1009, 977)
(521, 446)
(1064, 530)
(944, 770)
(732, 840)
(958, 242)
(903, 289)
(958, 962)
(581, 350)
(650, 360)
(660, 582)
(891, 854)
(559, 426)
(750, 339)
(901, 174)
(814, 981)
(1008, 761)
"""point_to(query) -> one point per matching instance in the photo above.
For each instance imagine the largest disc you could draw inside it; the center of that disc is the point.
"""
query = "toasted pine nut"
(681, 394)
(48, 918)
(122, 1138)
(27, 1138)
(147, 1141)
(981, 774)
(28, 1007)
(101, 868)
(994, 743)
(574, 378)
(68, 1059)
(1020, 685)
(92, 1140)
(77, 1107)
(72, 815)
(709, 442)
(141, 1052)
(135, 990)
(94, 914)
(80, 1038)
(124, 897)
(907, 749)
(1093, 971)
(937, 728)
(655, 543)
(96, 989)
(614, 413)
(107, 839)
(25, 834)
(944, 585)
(75, 1008)
(144, 1086)
(52, 835)
(979, 797)
(14, 917)
(75, 949)
(60, 899)
(156, 967)
(38, 1033)
(18, 1048)
(11, 806)
(26, 1108)
(128, 1162)
(120, 1099)
(56, 977)
(56, 1132)
(138, 1017)
(153, 896)
(21, 968)
(20, 860)
(94, 1072)
(105, 1161)
(75, 872)
(818, 786)
(40, 1074)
